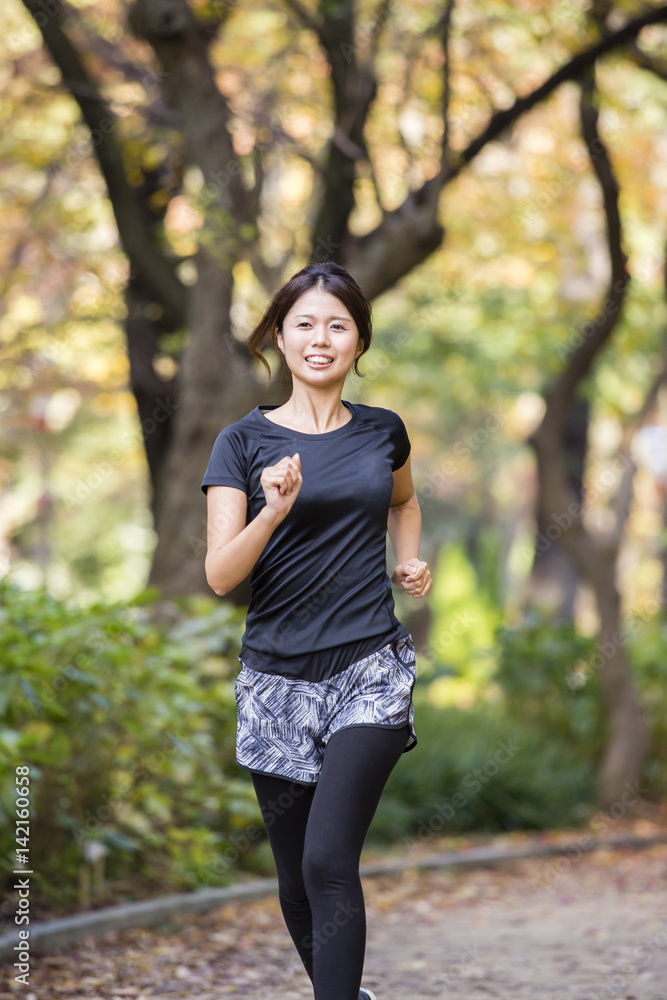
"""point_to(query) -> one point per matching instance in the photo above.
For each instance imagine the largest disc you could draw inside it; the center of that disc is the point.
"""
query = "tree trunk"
(628, 726)
(156, 399)
(216, 387)
(594, 556)
(627, 736)
(554, 577)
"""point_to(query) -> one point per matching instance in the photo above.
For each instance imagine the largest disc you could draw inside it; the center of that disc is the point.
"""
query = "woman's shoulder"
(379, 412)
(380, 416)
(242, 425)
(239, 434)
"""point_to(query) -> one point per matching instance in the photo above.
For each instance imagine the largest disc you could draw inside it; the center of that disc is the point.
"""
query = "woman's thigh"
(285, 807)
(357, 763)
(325, 824)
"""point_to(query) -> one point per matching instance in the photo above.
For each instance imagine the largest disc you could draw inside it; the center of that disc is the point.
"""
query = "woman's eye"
(338, 326)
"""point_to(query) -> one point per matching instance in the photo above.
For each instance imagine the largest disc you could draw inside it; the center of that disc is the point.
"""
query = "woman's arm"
(233, 547)
(404, 526)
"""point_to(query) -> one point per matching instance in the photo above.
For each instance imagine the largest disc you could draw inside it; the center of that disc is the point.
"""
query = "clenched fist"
(413, 576)
(281, 484)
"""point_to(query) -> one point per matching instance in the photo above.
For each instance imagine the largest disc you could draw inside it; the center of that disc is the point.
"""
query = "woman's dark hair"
(326, 276)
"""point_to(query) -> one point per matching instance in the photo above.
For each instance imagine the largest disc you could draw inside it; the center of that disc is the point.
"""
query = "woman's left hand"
(413, 576)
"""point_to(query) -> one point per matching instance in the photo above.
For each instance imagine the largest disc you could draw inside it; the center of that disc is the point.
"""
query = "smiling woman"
(336, 291)
(301, 495)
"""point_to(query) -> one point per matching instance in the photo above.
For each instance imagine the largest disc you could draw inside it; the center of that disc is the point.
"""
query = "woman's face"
(319, 326)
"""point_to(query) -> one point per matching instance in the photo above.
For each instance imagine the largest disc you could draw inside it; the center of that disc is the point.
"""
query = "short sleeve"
(400, 442)
(227, 465)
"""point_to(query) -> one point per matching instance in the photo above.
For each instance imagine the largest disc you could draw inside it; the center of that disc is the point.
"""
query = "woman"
(302, 494)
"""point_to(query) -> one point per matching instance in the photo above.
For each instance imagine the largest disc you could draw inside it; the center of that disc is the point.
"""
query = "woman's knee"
(293, 892)
(291, 886)
(323, 866)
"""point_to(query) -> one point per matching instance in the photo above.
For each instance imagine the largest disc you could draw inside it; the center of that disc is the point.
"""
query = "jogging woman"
(302, 495)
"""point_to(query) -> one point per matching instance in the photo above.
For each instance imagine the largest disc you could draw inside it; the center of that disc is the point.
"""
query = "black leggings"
(316, 833)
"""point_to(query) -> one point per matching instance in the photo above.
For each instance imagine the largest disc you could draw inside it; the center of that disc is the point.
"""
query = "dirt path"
(585, 930)
(588, 929)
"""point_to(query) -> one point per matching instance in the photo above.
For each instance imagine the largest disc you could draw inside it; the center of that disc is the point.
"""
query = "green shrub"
(481, 769)
(542, 670)
(647, 651)
(129, 731)
(551, 707)
(552, 675)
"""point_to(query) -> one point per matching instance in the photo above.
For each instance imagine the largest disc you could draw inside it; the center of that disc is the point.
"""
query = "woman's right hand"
(281, 484)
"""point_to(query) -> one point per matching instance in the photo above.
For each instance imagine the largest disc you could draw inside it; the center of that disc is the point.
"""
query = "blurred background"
(164, 167)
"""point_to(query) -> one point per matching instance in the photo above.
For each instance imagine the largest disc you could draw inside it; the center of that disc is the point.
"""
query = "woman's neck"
(312, 412)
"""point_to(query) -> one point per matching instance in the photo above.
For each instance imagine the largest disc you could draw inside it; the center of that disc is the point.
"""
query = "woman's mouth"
(318, 360)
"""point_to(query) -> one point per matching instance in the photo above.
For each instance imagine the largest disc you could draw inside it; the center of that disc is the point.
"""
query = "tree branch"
(594, 334)
(380, 19)
(406, 236)
(146, 260)
(306, 20)
(570, 71)
(595, 555)
(555, 490)
(188, 83)
(156, 112)
(651, 63)
(354, 89)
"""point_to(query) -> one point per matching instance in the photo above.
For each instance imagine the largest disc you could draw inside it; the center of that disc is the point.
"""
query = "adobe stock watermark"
(473, 782)
(214, 192)
(301, 613)
(554, 188)
(240, 843)
(580, 336)
(461, 624)
(562, 521)
(46, 355)
(84, 487)
(468, 960)
(220, 520)
(370, 29)
(605, 651)
(564, 10)
(465, 447)
(554, 870)
(95, 822)
(344, 912)
(618, 984)
(281, 980)
(41, 13)
(576, 678)
(49, 692)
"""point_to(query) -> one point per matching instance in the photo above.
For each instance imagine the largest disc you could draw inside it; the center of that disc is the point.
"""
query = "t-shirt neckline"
(304, 434)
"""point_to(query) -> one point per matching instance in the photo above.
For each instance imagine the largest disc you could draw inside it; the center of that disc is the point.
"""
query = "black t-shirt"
(320, 588)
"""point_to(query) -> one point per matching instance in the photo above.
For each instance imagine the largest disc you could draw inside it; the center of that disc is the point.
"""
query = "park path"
(592, 929)
(586, 927)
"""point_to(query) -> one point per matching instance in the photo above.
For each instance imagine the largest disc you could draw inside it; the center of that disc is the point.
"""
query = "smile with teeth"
(319, 359)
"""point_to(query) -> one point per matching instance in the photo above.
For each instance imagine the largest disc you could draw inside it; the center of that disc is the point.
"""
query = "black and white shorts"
(284, 723)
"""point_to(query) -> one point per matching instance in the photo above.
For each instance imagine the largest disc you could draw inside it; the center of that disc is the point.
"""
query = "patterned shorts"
(284, 723)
